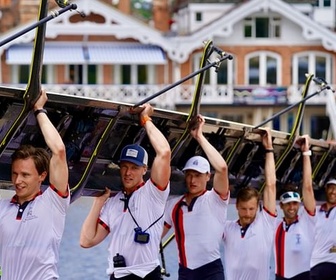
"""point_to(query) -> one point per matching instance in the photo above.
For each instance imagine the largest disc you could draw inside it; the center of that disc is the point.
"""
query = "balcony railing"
(183, 94)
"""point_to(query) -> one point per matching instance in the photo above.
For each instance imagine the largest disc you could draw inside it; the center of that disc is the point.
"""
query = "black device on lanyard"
(140, 236)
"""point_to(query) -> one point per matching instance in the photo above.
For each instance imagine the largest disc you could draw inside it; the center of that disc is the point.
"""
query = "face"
(26, 179)
(331, 194)
(131, 175)
(290, 210)
(247, 211)
(196, 182)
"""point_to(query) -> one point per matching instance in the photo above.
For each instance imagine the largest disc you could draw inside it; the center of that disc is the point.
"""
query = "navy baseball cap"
(134, 153)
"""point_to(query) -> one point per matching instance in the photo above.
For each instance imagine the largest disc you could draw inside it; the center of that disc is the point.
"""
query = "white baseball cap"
(290, 197)
(331, 182)
(197, 163)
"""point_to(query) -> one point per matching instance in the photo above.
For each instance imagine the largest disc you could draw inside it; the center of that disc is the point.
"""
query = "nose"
(16, 179)
(248, 213)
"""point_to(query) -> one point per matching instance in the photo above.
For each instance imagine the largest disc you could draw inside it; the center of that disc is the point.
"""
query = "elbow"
(85, 244)
(223, 168)
(166, 153)
(60, 150)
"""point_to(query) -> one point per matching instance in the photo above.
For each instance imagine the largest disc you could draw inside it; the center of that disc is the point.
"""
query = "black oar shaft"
(36, 24)
(226, 56)
(291, 107)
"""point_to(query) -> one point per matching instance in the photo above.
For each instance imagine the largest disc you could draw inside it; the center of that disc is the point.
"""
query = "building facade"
(112, 55)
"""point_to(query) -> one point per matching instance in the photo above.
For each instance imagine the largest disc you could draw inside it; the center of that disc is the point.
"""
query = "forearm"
(50, 134)
(307, 185)
(160, 170)
(90, 226)
(215, 158)
(269, 193)
(158, 141)
(220, 180)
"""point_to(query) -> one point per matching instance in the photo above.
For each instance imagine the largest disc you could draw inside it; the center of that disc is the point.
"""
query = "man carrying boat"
(134, 216)
(248, 241)
(294, 237)
(198, 216)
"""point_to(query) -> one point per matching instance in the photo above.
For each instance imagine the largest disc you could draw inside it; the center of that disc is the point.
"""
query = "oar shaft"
(291, 107)
(226, 56)
(36, 24)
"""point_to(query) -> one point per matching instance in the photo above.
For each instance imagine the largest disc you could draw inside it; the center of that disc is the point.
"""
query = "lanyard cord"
(152, 224)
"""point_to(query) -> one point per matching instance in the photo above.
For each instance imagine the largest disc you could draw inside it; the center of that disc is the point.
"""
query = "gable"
(224, 27)
(101, 20)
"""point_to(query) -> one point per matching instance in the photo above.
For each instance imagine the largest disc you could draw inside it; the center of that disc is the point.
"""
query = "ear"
(145, 170)
(43, 175)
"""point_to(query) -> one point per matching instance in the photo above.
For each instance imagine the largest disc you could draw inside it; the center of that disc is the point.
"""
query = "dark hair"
(39, 155)
(245, 194)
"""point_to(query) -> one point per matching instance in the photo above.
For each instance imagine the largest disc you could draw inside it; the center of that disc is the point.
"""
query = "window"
(221, 75)
(263, 69)
(125, 74)
(82, 74)
(323, 3)
(92, 74)
(24, 72)
(317, 63)
(76, 74)
(319, 126)
(133, 74)
(142, 74)
(198, 16)
(262, 27)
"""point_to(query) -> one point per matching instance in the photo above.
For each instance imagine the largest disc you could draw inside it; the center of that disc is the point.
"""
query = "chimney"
(124, 6)
(161, 15)
(29, 10)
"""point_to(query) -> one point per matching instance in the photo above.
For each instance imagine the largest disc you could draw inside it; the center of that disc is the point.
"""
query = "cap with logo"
(134, 153)
(290, 197)
(197, 163)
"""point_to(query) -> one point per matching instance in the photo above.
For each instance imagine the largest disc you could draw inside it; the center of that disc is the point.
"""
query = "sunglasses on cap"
(290, 196)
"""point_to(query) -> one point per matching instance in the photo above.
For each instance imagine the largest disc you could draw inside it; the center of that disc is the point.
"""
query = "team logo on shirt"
(30, 216)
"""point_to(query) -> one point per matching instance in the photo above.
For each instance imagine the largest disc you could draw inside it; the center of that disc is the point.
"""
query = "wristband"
(269, 150)
(307, 153)
(144, 119)
(38, 111)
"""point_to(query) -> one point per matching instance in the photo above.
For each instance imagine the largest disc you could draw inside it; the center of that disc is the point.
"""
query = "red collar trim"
(15, 199)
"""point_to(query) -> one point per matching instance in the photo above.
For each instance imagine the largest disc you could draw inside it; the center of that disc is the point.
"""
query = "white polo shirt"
(198, 228)
(325, 237)
(247, 256)
(146, 205)
(294, 244)
(30, 236)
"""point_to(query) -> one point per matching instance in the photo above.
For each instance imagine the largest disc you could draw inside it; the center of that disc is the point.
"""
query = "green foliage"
(142, 9)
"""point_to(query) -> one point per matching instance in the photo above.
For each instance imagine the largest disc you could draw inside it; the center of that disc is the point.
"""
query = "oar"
(53, 14)
(213, 64)
(324, 87)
